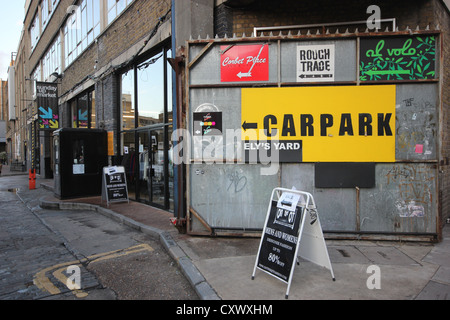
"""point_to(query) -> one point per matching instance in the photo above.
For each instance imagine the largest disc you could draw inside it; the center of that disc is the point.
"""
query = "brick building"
(3, 114)
(124, 66)
(85, 48)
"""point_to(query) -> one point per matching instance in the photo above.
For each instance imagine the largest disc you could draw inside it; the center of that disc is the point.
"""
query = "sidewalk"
(6, 171)
(221, 268)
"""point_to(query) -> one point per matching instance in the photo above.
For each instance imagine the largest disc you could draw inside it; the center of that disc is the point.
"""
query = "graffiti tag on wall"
(398, 58)
(414, 189)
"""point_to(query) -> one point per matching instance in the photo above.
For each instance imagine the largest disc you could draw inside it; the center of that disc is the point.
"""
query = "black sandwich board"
(292, 229)
(114, 186)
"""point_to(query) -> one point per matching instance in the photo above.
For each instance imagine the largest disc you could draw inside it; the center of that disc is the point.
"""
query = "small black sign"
(280, 239)
(344, 175)
(115, 184)
(208, 124)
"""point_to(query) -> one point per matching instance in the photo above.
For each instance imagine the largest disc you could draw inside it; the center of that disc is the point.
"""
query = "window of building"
(115, 8)
(35, 31)
(36, 76)
(145, 141)
(48, 7)
(151, 91)
(41, 20)
(154, 103)
(46, 10)
(81, 28)
(127, 101)
(83, 111)
(52, 60)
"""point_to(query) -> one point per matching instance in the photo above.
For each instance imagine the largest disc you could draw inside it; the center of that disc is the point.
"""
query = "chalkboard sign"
(292, 229)
(279, 243)
(114, 187)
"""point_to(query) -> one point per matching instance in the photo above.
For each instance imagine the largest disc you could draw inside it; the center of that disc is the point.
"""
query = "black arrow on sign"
(247, 126)
(309, 76)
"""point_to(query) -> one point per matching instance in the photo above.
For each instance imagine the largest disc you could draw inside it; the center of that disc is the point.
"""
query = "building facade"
(3, 116)
(91, 52)
(141, 69)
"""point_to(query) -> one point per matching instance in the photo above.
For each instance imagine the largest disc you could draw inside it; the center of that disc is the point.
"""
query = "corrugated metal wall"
(225, 198)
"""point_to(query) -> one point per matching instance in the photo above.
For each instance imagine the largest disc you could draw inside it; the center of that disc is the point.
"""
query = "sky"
(12, 13)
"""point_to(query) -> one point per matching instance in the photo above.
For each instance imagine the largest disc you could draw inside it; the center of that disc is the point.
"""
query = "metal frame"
(308, 205)
(323, 25)
(208, 43)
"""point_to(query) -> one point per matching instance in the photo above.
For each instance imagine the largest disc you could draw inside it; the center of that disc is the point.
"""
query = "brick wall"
(133, 25)
(264, 13)
(47, 37)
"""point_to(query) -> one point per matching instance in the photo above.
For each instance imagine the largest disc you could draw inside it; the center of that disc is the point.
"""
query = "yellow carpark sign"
(322, 124)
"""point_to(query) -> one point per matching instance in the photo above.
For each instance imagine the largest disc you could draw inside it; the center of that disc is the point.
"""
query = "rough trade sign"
(315, 63)
(321, 124)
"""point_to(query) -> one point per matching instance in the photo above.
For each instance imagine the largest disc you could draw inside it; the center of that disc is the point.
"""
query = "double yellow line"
(45, 284)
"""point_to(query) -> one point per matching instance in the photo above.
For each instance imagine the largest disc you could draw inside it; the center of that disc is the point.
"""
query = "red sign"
(245, 63)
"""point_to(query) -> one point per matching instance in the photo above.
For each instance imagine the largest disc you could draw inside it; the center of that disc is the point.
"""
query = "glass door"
(157, 172)
(144, 179)
(129, 162)
(152, 183)
(146, 128)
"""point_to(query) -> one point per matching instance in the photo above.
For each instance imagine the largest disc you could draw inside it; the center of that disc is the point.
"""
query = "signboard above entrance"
(328, 124)
(244, 63)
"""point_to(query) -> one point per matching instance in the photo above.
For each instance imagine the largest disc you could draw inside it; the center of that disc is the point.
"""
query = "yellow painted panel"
(336, 124)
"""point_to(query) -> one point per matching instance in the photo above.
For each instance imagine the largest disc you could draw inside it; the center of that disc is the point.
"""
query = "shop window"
(146, 123)
(151, 91)
(147, 85)
(127, 101)
(83, 111)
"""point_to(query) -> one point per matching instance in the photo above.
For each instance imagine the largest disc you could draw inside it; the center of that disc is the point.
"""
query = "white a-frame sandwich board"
(292, 230)
(114, 185)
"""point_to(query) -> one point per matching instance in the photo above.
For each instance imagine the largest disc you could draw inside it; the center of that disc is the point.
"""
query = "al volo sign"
(398, 58)
(244, 63)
